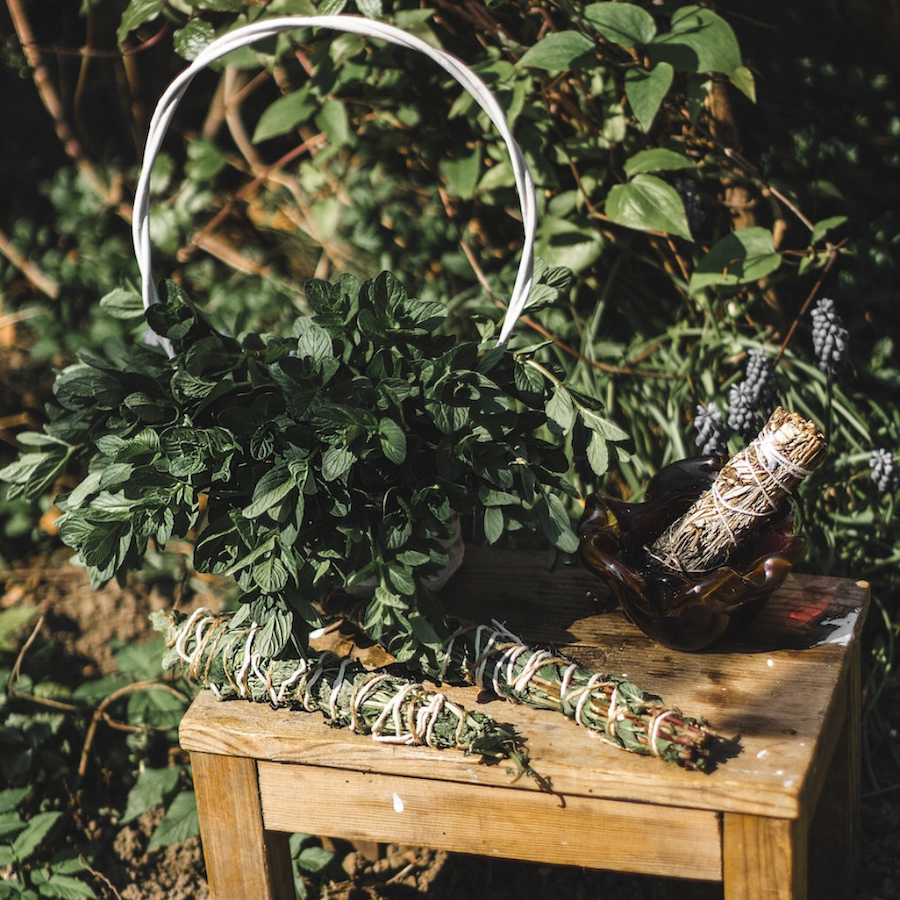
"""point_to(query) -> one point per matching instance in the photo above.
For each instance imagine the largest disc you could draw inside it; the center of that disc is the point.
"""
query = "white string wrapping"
(654, 728)
(336, 690)
(248, 655)
(248, 34)
(748, 490)
(359, 695)
(185, 633)
(393, 711)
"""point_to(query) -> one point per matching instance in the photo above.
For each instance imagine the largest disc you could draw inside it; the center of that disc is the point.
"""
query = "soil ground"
(89, 622)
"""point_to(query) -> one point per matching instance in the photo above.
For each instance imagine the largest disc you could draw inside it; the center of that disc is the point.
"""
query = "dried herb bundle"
(610, 705)
(751, 488)
(494, 659)
(392, 709)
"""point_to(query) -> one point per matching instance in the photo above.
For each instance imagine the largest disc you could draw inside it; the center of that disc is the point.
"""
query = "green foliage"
(310, 862)
(337, 453)
(21, 839)
(46, 736)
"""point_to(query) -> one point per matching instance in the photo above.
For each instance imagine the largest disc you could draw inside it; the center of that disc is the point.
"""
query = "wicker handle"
(247, 34)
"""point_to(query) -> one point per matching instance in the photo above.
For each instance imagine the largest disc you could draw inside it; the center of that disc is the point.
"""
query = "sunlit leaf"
(598, 454)
(646, 90)
(699, 40)
(647, 203)
(136, 13)
(621, 23)
(283, 116)
(825, 226)
(179, 823)
(462, 173)
(191, 40)
(741, 257)
(560, 51)
(657, 160)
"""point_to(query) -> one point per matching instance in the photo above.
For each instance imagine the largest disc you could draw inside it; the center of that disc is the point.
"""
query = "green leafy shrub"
(337, 453)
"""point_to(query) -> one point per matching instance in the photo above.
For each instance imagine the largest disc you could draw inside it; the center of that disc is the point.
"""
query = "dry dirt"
(89, 622)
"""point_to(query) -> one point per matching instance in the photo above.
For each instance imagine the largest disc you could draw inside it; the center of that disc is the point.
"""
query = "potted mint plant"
(339, 453)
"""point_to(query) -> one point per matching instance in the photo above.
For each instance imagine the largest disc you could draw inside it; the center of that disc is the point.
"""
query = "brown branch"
(833, 250)
(99, 875)
(215, 246)
(42, 282)
(16, 672)
(204, 233)
(50, 98)
(93, 53)
(100, 714)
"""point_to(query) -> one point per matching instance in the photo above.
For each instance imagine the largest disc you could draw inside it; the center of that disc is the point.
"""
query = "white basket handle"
(247, 34)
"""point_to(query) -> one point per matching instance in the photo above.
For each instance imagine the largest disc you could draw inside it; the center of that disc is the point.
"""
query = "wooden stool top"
(782, 687)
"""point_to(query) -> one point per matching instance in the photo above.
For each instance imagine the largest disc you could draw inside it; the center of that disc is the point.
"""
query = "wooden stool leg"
(764, 859)
(243, 860)
(834, 833)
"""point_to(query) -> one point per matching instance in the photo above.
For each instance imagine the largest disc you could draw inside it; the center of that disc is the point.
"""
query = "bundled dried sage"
(392, 709)
(751, 487)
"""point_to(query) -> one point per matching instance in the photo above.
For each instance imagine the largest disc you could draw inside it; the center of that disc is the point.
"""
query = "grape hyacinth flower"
(693, 208)
(884, 472)
(712, 436)
(743, 417)
(830, 337)
(759, 381)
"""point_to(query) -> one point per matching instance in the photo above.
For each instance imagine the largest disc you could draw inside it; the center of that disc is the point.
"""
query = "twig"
(109, 885)
(50, 97)
(234, 92)
(199, 236)
(100, 714)
(17, 669)
(213, 245)
(832, 256)
(42, 282)
(739, 158)
(20, 315)
(566, 348)
(94, 53)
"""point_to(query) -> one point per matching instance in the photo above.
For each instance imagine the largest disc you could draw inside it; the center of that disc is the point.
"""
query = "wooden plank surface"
(628, 837)
(774, 688)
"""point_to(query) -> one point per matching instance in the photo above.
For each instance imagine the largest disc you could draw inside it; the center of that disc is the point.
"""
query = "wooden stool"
(777, 820)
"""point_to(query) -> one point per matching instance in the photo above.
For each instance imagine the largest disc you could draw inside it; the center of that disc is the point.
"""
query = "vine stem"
(557, 382)
(50, 98)
(100, 714)
(832, 256)
(17, 671)
(260, 176)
